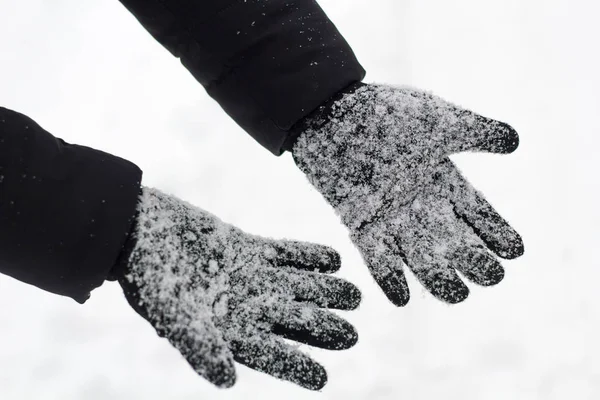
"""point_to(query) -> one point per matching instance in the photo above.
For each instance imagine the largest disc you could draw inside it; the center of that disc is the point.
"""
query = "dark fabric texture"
(65, 210)
(267, 63)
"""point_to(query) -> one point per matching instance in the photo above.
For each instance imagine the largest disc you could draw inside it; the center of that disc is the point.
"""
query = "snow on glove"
(379, 157)
(218, 294)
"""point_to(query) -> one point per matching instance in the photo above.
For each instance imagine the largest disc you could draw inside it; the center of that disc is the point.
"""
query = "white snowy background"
(87, 72)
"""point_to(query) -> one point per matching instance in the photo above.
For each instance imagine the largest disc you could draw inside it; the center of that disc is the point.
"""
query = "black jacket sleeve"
(267, 63)
(65, 210)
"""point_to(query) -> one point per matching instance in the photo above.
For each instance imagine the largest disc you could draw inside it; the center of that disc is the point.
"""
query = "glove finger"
(384, 260)
(437, 241)
(452, 129)
(322, 290)
(201, 345)
(463, 130)
(479, 266)
(472, 207)
(302, 255)
(269, 354)
(313, 326)
(429, 234)
(441, 281)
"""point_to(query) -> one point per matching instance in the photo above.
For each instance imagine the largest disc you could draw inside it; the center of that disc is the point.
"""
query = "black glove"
(379, 155)
(218, 294)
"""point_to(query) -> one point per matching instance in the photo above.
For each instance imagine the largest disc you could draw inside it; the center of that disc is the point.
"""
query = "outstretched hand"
(379, 157)
(218, 294)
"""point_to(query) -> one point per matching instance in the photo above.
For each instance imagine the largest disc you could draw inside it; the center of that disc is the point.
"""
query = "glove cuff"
(318, 117)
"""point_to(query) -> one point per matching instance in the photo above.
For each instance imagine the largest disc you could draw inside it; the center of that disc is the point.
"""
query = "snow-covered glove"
(218, 294)
(378, 154)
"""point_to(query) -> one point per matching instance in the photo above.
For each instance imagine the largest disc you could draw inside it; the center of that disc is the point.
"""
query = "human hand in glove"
(378, 154)
(218, 294)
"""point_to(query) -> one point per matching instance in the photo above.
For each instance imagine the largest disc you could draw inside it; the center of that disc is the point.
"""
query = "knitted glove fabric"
(218, 294)
(379, 156)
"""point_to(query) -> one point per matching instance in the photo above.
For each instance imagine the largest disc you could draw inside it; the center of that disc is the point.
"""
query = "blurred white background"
(90, 74)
